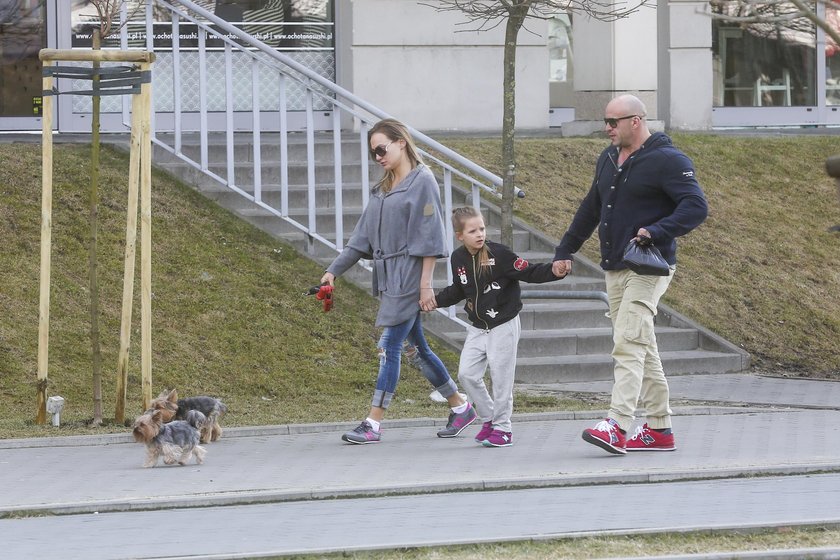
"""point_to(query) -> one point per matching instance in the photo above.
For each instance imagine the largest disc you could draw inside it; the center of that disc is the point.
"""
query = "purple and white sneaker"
(457, 422)
(486, 430)
(498, 438)
(364, 433)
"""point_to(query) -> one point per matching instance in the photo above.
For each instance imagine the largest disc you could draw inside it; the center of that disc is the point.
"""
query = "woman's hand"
(328, 278)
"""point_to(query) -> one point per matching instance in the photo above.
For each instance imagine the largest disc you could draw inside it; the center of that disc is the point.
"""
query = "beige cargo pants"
(639, 377)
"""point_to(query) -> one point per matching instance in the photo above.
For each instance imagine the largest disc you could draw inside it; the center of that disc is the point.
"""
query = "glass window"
(766, 64)
(560, 48)
(22, 36)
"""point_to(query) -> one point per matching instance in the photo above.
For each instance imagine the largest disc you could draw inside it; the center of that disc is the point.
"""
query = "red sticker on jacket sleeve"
(520, 264)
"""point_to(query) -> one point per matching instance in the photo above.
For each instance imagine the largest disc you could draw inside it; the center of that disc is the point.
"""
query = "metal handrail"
(289, 73)
(494, 179)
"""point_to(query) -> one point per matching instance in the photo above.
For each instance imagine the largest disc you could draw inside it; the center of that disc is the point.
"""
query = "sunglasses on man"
(612, 123)
(380, 150)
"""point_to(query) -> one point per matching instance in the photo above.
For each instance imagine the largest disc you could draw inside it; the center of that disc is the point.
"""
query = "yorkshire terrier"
(174, 408)
(175, 441)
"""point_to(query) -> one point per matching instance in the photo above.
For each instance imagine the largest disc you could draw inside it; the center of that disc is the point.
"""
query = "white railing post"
(364, 160)
(176, 79)
(229, 140)
(150, 46)
(310, 161)
(124, 99)
(284, 151)
(202, 95)
(450, 233)
(255, 110)
(339, 206)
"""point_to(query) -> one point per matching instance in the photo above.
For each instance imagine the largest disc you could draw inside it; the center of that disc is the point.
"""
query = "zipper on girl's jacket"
(477, 291)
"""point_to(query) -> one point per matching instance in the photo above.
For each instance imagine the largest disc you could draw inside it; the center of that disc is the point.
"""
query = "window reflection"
(763, 64)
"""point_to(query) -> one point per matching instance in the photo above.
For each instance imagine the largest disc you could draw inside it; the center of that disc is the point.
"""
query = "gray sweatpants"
(495, 348)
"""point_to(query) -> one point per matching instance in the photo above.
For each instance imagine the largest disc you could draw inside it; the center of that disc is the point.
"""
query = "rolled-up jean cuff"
(381, 399)
(447, 389)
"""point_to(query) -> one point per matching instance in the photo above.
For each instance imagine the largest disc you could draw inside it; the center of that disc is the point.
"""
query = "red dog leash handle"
(323, 293)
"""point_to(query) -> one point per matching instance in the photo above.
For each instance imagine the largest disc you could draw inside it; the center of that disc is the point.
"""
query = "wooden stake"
(146, 238)
(130, 245)
(46, 246)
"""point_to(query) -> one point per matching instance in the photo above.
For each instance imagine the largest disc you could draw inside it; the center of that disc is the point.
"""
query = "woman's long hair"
(395, 131)
(459, 218)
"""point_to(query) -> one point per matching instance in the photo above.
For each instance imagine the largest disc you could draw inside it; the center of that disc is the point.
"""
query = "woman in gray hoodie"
(401, 230)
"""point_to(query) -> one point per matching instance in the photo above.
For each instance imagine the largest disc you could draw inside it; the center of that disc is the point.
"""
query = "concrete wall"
(412, 62)
(686, 74)
(613, 58)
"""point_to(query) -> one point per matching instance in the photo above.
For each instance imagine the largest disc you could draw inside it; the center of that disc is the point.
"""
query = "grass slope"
(229, 315)
(229, 318)
(762, 271)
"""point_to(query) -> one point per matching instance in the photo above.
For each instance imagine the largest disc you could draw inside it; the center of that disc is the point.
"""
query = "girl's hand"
(328, 278)
(427, 299)
(561, 268)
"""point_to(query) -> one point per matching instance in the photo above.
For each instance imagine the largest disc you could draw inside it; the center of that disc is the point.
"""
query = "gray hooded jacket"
(397, 229)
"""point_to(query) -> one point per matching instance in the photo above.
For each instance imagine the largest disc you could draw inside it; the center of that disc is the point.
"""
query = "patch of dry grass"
(588, 548)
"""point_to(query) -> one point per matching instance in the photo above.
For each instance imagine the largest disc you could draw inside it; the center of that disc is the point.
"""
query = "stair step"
(586, 341)
(599, 367)
(243, 176)
(270, 151)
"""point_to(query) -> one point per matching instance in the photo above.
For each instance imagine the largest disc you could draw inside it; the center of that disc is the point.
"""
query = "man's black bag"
(644, 258)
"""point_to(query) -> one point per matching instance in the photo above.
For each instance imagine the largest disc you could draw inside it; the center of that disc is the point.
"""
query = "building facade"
(437, 71)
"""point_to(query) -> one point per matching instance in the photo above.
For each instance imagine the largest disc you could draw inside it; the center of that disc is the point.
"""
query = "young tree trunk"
(517, 14)
(94, 218)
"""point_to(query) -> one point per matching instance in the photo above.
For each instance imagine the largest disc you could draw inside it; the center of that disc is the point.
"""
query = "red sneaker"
(486, 430)
(607, 436)
(646, 439)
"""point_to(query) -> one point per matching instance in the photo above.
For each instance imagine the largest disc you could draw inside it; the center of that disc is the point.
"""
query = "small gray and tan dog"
(175, 441)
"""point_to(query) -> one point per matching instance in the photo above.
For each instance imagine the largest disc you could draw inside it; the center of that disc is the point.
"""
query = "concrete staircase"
(562, 339)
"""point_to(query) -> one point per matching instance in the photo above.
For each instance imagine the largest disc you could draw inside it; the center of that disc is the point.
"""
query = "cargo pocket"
(638, 324)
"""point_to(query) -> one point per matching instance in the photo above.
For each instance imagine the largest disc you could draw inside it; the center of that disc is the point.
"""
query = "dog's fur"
(174, 408)
(175, 441)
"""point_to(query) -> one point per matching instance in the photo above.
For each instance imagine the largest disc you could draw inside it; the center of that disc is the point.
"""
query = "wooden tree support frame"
(139, 186)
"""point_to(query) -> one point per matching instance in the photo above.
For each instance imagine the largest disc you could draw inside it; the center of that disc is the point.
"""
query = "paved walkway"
(261, 471)
(732, 388)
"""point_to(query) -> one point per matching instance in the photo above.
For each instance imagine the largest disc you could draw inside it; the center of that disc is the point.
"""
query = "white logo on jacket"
(492, 286)
(492, 313)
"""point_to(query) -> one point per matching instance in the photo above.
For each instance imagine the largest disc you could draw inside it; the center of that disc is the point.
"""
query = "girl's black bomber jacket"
(494, 298)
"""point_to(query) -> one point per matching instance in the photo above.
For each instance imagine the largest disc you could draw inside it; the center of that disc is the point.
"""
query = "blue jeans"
(390, 354)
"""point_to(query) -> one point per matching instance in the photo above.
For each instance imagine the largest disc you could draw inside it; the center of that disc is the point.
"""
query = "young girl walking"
(487, 275)
(401, 230)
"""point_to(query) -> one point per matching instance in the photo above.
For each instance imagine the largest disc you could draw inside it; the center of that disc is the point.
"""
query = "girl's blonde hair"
(394, 130)
(459, 219)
